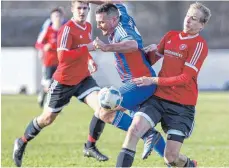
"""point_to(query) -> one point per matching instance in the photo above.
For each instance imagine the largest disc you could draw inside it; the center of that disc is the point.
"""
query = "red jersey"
(183, 58)
(72, 53)
(48, 36)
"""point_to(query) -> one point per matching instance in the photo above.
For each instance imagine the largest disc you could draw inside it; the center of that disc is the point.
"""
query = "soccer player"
(175, 98)
(126, 43)
(47, 44)
(72, 77)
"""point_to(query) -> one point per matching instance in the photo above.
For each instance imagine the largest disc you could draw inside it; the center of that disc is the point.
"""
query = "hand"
(47, 47)
(99, 44)
(92, 66)
(150, 48)
(90, 47)
(145, 81)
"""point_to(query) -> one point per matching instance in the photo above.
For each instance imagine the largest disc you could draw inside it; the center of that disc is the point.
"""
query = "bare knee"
(107, 116)
(46, 118)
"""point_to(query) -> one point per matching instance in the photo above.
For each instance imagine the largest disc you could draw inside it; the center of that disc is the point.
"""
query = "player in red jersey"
(72, 77)
(175, 98)
(47, 44)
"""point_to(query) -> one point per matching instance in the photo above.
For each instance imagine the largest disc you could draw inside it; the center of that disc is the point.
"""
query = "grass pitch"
(61, 144)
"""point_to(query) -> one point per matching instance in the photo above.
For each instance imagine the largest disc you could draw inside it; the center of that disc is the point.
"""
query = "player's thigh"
(88, 92)
(151, 110)
(58, 96)
(133, 95)
(178, 119)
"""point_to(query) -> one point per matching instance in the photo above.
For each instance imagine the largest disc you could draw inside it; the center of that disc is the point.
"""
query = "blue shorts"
(133, 95)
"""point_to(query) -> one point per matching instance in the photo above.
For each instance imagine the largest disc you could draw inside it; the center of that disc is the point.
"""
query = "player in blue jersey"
(126, 43)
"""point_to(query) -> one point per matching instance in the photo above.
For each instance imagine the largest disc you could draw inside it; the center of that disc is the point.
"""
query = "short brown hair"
(206, 11)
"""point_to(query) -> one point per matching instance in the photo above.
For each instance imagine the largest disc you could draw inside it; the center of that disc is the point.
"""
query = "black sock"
(96, 129)
(125, 158)
(31, 131)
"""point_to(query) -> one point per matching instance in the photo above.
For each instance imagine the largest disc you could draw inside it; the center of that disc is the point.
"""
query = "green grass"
(61, 144)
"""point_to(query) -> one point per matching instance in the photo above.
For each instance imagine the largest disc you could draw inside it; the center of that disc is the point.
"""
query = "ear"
(71, 9)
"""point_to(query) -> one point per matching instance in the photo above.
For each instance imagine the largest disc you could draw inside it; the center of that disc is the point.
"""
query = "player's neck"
(81, 23)
(189, 34)
(56, 27)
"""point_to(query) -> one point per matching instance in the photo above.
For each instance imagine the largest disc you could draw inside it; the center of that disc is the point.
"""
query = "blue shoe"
(151, 138)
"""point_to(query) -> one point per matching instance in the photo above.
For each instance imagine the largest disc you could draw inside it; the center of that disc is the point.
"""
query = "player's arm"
(152, 54)
(124, 46)
(64, 42)
(41, 40)
(192, 67)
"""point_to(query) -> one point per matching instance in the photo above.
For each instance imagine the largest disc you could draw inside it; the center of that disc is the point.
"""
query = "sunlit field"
(61, 144)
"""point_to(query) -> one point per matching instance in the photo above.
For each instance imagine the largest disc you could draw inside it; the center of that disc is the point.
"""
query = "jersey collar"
(185, 36)
(78, 25)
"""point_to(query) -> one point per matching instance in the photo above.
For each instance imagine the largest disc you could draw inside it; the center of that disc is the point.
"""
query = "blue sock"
(160, 146)
(122, 120)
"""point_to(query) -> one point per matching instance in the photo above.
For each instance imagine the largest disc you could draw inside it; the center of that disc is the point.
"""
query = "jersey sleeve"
(41, 40)
(64, 39)
(196, 57)
(64, 42)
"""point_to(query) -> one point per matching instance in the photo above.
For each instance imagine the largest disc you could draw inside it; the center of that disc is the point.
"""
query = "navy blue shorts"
(175, 118)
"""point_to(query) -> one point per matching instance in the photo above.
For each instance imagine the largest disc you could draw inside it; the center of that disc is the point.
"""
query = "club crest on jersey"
(182, 46)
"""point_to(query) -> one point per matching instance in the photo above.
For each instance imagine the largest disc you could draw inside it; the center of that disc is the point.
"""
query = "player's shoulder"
(67, 26)
(201, 39)
(88, 25)
(172, 33)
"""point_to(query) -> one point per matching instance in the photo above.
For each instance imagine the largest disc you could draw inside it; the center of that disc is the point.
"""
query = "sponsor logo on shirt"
(173, 53)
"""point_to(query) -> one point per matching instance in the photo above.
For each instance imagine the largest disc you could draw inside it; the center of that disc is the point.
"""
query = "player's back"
(72, 36)
(134, 64)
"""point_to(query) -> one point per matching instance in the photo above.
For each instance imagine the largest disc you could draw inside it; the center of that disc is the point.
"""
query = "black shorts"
(175, 118)
(60, 95)
(47, 75)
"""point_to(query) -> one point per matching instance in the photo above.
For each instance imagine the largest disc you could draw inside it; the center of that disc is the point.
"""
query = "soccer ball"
(109, 98)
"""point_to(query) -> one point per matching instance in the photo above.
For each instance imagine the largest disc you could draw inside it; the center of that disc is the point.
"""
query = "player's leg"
(148, 116)
(133, 96)
(46, 82)
(53, 106)
(178, 123)
(88, 93)
(42, 93)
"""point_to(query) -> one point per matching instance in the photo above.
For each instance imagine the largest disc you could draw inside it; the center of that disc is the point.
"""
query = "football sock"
(122, 120)
(125, 158)
(96, 129)
(31, 131)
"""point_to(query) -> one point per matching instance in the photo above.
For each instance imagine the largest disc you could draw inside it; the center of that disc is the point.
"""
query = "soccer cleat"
(95, 153)
(151, 138)
(192, 163)
(19, 148)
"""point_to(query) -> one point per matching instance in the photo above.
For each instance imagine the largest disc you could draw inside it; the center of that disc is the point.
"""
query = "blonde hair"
(206, 11)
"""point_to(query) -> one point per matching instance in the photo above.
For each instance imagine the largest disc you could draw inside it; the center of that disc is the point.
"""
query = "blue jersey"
(134, 64)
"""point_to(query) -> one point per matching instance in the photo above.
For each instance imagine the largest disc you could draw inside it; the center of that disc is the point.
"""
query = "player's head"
(80, 10)
(107, 18)
(57, 16)
(196, 18)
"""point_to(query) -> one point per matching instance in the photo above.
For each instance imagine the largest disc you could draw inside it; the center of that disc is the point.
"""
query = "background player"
(126, 43)
(175, 98)
(72, 77)
(47, 44)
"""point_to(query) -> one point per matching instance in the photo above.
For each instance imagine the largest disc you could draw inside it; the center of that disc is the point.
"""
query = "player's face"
(192, 21)
(105, 23)
(56, 18)
(80, 11)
